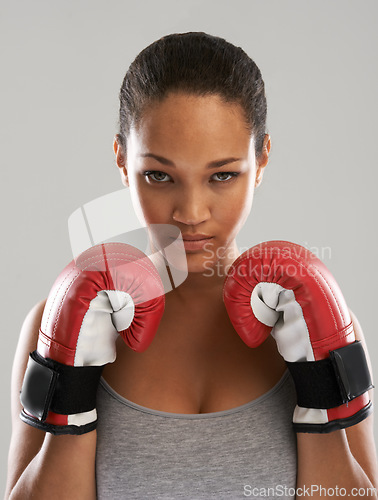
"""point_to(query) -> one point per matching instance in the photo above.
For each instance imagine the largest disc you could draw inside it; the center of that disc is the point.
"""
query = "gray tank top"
(247, 451)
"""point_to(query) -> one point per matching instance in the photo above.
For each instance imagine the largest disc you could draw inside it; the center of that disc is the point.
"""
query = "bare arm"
(41, 465)
(345, 458)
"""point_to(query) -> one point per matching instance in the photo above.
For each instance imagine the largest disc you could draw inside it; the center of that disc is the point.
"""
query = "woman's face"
(191, 162)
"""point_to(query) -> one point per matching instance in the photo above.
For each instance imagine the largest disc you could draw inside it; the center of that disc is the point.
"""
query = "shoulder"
(27, 342)
(359, 334)
(25, 440)
(361, 436)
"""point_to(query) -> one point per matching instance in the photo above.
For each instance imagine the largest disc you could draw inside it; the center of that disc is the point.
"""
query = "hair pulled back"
(195, 63)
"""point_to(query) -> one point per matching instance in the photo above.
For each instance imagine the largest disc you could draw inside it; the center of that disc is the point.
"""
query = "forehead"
(198, 121)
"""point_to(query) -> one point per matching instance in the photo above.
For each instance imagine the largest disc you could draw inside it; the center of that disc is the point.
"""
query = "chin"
(199, 264)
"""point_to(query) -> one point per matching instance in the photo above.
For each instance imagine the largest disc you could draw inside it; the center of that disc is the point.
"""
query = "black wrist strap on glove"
(52, 386)
(333, 381)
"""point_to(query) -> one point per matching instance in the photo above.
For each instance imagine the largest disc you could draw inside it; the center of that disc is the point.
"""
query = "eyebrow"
(169, 163)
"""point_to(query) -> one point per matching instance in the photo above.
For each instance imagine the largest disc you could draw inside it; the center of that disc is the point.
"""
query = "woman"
(198, 414)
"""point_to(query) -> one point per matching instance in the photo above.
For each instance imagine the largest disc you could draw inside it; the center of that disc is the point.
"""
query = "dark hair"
(199, 64)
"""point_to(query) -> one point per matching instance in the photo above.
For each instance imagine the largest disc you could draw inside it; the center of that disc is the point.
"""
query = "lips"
(196, 242)
(195, 237)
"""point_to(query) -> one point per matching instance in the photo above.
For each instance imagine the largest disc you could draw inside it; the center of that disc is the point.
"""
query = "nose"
(192, 208)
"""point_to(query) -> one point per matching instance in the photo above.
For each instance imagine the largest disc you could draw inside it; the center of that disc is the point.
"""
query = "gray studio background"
(61, 68)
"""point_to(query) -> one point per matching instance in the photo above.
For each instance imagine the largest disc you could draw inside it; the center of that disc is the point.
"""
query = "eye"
(158, 176)
(161, 177)
(230, 175)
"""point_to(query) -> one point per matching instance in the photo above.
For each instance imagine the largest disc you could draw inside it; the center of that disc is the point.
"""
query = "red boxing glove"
(110, 289)
(282, 288)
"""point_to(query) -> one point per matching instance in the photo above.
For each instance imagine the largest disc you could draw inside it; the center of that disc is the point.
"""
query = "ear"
(262, 160)
(121, 158)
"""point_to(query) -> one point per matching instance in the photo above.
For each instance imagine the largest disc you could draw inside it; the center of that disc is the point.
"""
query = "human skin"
(189, 133)
(192, 132)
